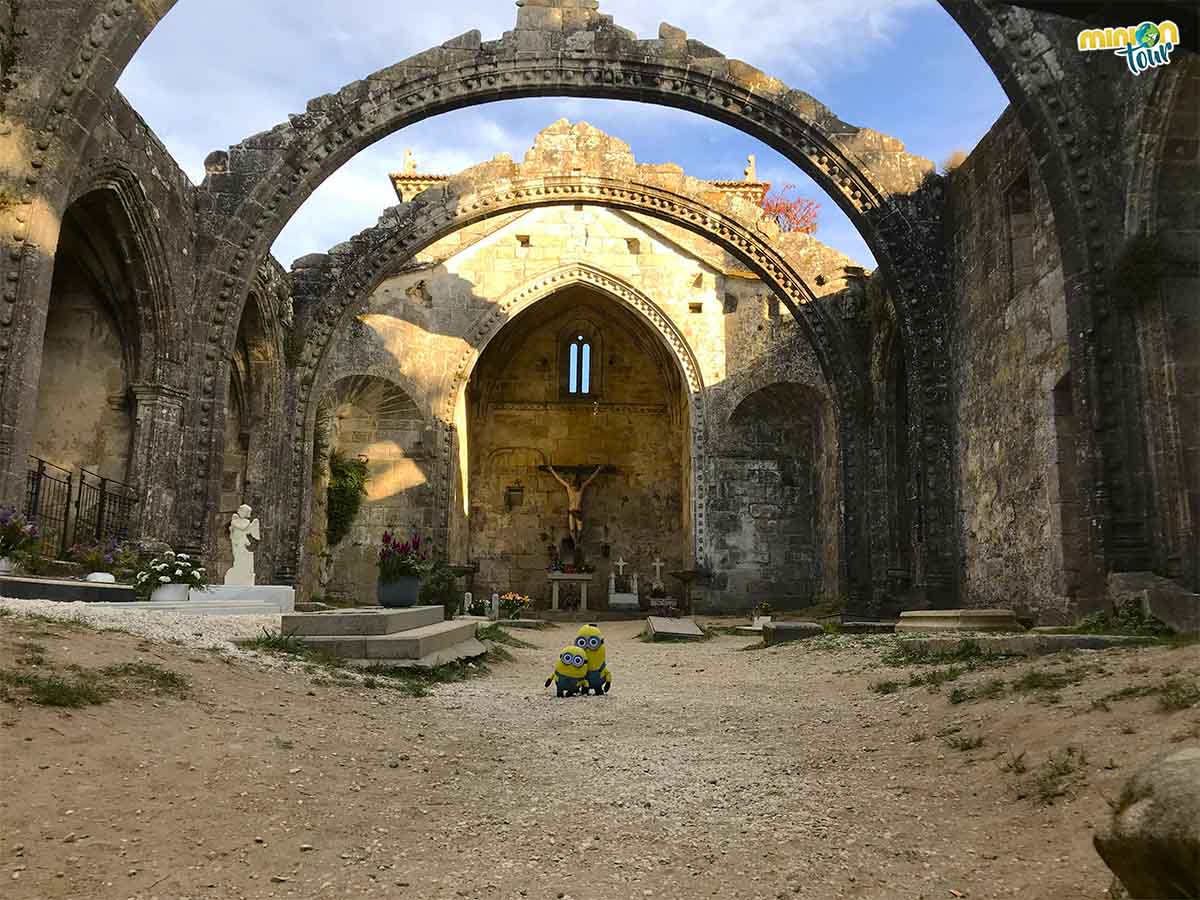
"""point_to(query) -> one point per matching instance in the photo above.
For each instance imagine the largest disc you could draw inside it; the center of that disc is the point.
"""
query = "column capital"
(164, 392)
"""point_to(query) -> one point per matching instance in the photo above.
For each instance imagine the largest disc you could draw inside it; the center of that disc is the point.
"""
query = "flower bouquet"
(170, 576)
(512, 604)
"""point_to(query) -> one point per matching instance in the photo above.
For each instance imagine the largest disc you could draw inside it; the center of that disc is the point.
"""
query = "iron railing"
(48, 504)
(103, 509)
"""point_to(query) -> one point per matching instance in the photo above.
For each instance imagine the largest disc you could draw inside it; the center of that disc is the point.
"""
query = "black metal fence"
(104, 509)
(99, 509)
(48, 504)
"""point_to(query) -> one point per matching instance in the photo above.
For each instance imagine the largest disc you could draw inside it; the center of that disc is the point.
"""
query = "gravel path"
(707, 772)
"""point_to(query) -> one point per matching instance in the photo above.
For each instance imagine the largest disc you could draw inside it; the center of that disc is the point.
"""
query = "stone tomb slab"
(933, 620)
(349, 623)
(782, 632)
(664, 629)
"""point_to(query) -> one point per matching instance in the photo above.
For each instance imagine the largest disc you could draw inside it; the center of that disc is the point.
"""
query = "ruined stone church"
(1005, 412)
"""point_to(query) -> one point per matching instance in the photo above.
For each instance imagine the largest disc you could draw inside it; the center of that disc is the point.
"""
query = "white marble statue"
(241, 530)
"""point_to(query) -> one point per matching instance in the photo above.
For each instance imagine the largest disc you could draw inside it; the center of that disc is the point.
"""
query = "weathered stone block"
(1153, 841)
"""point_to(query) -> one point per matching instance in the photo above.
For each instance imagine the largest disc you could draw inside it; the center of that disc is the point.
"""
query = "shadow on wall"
(373, 419)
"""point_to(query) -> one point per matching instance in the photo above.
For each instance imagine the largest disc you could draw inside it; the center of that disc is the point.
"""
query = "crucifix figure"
(575, 491)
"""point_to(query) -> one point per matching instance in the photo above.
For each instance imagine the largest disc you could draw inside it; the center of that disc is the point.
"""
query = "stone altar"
(554, 579)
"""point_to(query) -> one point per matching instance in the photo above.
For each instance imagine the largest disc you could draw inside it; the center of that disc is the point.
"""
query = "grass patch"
(935, 678)
(968, 653)
(151, 676)
(962, 742)
(1045, 680)
(417, 682)
(286, 645)
(1128, 619)
(991, 689)
(1173, 694)
(1015, 764)
(52, 690)
(498, 635)
(1057, 775)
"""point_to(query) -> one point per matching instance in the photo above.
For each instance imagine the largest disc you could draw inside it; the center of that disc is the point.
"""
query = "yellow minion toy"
(599, 676)
(570, 671)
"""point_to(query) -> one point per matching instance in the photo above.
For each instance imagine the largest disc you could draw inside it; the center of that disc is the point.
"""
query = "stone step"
(371, 620)
(412, 644)
(469, 649)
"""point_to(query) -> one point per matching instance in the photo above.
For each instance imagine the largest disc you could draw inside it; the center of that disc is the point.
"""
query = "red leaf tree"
(792, 212)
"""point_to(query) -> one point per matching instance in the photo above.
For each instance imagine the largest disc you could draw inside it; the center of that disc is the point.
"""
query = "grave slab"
(782, 632)
(664, 629)
(371, 620)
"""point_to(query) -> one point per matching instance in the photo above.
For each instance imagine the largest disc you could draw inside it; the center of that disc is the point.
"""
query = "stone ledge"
(921, 620)
(62, 590)
(1026, 644)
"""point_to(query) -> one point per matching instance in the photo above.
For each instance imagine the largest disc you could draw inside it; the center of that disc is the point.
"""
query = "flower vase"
(6, 565)
(401, 593)
(101, 577)
(170, 593)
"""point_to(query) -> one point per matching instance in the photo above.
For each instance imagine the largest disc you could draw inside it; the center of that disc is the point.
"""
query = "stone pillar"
(154, 465)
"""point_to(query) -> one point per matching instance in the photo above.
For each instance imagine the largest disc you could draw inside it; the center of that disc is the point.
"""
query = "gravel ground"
(709, 771)
(200, 632)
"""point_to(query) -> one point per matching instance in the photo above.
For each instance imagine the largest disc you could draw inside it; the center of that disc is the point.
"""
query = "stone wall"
(1020, 523)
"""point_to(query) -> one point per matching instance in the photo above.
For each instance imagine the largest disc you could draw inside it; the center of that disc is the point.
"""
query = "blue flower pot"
(401, 593)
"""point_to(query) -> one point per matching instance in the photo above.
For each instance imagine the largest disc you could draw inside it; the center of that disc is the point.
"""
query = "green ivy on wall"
(348, 477)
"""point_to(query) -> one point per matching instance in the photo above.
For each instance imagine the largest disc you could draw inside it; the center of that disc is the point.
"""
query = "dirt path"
(707, 772)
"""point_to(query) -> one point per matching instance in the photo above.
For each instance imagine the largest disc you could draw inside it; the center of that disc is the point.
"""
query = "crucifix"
(575, 489)
(658, 567)
(620, 565)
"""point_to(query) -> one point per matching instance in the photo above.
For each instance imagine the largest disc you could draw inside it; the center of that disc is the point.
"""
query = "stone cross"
(620, 565)
(658, 567)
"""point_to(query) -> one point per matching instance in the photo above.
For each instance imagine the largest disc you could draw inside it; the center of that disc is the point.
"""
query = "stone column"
(154, 464)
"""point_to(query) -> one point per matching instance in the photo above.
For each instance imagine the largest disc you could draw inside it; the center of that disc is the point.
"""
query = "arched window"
(580, 361)
(579, 366)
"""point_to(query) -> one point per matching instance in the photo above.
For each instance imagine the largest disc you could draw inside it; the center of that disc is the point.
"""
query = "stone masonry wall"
(1015, 453)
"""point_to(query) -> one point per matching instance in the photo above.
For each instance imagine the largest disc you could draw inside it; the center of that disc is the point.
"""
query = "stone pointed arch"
(648, 312)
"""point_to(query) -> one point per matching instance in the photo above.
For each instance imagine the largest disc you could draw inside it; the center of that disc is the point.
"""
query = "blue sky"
(216, 71)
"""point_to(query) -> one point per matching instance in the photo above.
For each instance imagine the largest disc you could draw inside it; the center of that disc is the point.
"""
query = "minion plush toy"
(570, 671)
(599, 677)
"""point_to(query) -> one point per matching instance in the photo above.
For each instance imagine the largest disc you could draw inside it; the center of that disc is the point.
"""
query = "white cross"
(658, 567)
(620, 564)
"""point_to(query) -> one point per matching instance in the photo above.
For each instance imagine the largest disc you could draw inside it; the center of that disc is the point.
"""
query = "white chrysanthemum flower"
(179, 571)
(164, 579)
(182, 556)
